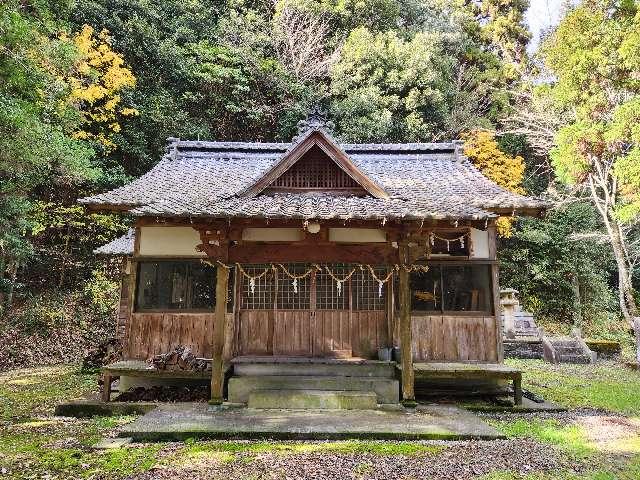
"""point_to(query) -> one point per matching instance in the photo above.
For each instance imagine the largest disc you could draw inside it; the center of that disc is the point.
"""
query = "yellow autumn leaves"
(96, 80)
(484, 151)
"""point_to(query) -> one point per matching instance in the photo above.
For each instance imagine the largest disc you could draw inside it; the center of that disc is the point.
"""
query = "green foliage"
(103, 292)
(593, 55)
(561, 278)
(386, 88)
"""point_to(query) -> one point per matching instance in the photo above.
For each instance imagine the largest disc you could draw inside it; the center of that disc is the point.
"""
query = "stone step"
(574, 359)
(372, 370)
(569, 350)
(313, 399)
(563, 342)
(387, 390)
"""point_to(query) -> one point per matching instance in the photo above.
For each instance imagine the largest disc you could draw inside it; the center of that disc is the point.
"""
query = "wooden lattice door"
(314, 318)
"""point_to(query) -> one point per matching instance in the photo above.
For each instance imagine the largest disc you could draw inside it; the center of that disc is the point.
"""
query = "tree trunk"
(624, 273)
(603, 194)
(636, 328)
(627, 300)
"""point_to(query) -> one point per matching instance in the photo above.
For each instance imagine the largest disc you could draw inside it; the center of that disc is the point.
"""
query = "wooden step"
(315, 369)
(312, 399)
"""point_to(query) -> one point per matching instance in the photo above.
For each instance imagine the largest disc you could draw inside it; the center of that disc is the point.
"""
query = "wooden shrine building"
(312, 249)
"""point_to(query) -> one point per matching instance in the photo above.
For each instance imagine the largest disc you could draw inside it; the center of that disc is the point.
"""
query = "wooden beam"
(375, 254)
(391, 226)
(217, 370)
(404, 294)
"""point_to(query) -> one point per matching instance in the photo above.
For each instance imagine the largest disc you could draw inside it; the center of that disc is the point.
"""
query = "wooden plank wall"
(292, 333)
(149, 334)
(254, 335)
(454, 338)
(298, 332)
(368, 332)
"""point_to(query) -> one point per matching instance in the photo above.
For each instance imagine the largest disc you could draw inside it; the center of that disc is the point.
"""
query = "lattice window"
(264, 289)
(288, 299)
(315, 171)
(327, 297)
(365, 289)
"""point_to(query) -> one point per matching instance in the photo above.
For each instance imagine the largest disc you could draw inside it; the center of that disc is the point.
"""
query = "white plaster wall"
(480, 243)
(169, 241)
(272, 234)
(357, 235)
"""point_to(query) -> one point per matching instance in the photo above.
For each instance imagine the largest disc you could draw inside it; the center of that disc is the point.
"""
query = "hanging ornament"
(295, 285)
(462, 241)
(447, 245)
(455, 224)
(252, 285)
(432, 238)
(486, 223)
(380, 284)
(339, 287)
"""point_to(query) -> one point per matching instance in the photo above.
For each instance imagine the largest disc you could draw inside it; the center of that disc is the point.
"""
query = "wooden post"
(106, 387)
(390, 309)
(495, 286)
(404, 294)
(217, 371)
(517, 388)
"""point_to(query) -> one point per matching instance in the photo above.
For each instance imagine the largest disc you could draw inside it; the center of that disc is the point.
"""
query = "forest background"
(91, 89)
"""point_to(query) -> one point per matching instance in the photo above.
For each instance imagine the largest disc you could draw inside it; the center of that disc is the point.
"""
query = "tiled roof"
(423, 180)
(120, 246)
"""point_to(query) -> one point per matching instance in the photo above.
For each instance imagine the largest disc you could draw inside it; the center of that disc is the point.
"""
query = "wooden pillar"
(404, 300)
(217, 368)
(390, 310)
(495, 286)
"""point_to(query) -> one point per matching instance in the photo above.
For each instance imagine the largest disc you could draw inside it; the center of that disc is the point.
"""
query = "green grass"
(30, 392)
(606, 385)
(32, 440)
(571, 438)
(228, 449)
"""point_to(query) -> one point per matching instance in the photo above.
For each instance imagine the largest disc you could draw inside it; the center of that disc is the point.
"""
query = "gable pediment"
(316, 163)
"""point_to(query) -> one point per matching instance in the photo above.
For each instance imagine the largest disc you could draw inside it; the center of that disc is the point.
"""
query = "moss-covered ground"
(597, 439)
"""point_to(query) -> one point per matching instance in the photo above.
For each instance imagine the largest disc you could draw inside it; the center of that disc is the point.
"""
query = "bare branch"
(301, 41)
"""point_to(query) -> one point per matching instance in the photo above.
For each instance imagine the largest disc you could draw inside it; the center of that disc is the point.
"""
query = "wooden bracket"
(215, 242)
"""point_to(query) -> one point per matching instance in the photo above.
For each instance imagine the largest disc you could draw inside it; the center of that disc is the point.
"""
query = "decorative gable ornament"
(316, 162)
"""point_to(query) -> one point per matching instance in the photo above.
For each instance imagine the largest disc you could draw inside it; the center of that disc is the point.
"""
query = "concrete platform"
(195, 420)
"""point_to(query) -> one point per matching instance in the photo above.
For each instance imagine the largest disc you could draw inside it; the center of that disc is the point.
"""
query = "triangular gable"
(333, 152)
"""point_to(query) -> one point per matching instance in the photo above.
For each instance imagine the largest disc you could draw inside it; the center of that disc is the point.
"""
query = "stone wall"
(523, 348)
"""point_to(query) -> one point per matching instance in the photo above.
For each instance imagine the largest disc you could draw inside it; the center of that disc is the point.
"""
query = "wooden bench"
(139, 368)
(472, 371)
